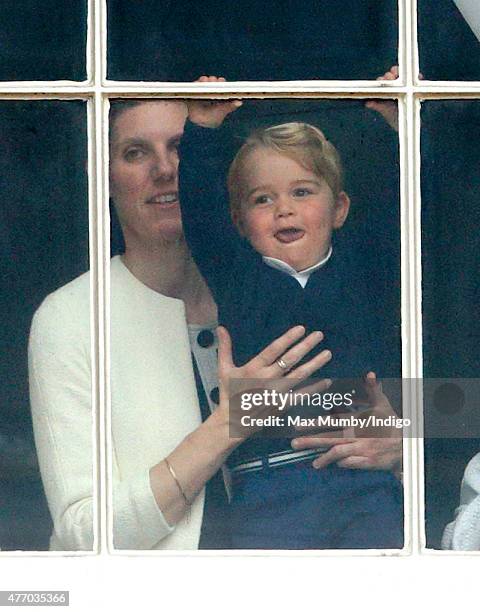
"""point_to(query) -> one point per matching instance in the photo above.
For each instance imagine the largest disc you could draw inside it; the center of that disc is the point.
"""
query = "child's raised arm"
(205, 157)
(386, 108)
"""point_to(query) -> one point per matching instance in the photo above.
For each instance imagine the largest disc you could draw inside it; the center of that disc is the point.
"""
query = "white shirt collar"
(302, 276)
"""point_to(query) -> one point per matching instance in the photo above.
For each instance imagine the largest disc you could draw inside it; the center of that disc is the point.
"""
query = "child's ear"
(238, 222)
(342, 206)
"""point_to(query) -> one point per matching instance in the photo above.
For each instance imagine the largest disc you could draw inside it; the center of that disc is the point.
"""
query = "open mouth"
(164, 199)
(291, 234)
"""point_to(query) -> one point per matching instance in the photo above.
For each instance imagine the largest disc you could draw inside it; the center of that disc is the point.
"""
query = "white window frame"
(97, 90)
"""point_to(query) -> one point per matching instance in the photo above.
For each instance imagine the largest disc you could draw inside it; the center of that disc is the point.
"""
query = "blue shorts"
(298, 507)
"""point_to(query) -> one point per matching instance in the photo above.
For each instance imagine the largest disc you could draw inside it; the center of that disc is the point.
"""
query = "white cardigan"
(154, 406)
(464, 532)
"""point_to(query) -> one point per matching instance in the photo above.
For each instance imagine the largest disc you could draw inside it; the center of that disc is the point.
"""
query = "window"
(277, 62)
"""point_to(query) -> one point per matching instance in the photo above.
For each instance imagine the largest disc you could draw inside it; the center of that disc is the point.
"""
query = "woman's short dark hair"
(117, 108)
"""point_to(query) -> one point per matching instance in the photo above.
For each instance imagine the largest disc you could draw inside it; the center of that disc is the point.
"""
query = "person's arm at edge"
(463, 533)
(61, 405)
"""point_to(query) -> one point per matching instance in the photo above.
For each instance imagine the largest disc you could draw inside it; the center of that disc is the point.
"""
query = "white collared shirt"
(302, 276)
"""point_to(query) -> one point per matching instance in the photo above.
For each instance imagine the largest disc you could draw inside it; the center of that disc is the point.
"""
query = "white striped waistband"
(276, 460)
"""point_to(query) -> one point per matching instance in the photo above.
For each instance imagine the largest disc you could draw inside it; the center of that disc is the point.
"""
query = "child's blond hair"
(302, 142)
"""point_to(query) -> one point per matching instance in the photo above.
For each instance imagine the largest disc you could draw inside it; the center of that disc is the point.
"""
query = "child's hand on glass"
(387, 108)
(211, 113)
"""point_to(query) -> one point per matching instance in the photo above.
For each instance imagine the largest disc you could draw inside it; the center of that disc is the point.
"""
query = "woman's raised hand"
(277, 360)
(273, 368)
(211, 113)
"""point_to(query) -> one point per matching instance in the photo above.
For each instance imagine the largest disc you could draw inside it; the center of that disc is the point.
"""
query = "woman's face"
(144, 171)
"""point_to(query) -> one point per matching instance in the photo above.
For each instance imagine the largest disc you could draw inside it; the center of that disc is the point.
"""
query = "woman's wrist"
(217, 428)
(178, 479)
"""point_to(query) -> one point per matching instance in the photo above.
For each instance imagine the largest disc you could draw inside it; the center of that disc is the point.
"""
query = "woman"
(159, 469)
(155, 290)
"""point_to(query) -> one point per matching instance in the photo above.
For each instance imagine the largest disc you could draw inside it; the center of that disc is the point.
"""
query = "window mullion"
(101, 265)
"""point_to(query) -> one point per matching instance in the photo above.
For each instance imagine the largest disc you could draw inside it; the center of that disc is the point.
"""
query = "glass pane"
(448, 39)
(451, 329)
(353, 295)
(44, 244)
(43, 41)
(251, 40)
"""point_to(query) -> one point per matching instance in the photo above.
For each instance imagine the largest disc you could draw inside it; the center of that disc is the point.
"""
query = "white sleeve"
(138, 523)
(61, 402)
(464, 532)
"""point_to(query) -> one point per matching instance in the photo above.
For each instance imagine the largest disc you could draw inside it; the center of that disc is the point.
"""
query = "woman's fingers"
(358, 463)
(374, 454)
(336, 453)
(317, 387)
(319, 440)
(225, 359)
(293, 377)
(298, 399)
(374, 390)
(296, 353)
(376, 397)
(307, 369)
(277, 348)
(365, 453)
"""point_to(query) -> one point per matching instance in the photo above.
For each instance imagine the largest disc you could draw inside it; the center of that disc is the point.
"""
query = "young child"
(271, 265)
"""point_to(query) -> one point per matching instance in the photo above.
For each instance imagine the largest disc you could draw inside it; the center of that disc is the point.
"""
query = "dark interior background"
(448, 48)
(44, 244)
(451, 294)
(179, 40)
(43, 40)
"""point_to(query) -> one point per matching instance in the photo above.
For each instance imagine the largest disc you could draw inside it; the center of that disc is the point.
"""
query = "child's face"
(288, 212)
